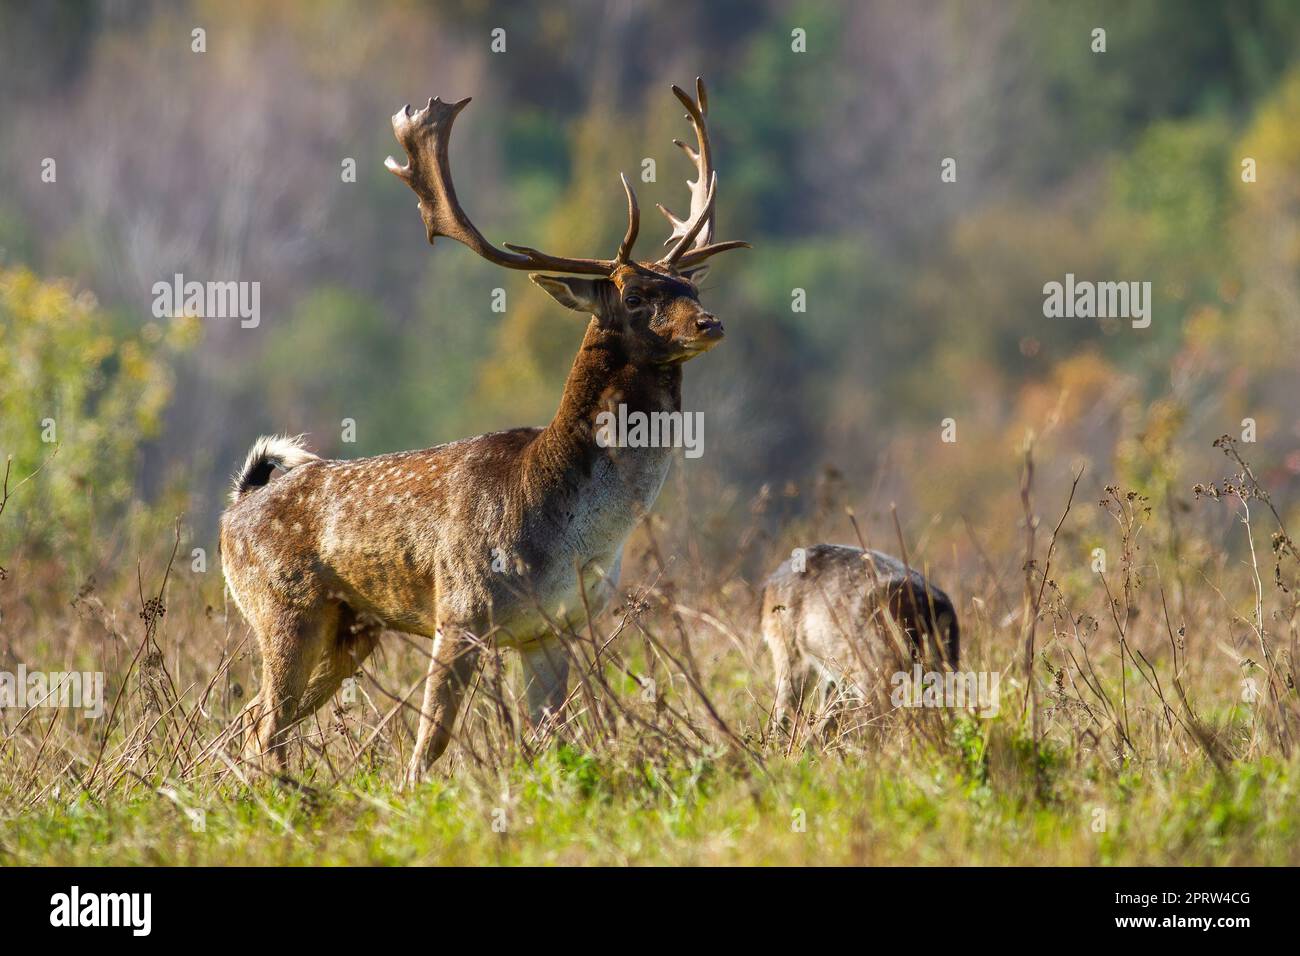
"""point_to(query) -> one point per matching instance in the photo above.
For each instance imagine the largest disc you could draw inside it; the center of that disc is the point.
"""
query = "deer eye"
(632, 301)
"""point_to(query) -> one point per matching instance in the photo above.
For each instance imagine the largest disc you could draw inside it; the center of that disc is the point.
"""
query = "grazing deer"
(844, 618)
(505, 537)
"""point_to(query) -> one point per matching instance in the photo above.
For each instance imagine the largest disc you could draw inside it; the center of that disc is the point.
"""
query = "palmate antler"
(697, 228)
(425, 134)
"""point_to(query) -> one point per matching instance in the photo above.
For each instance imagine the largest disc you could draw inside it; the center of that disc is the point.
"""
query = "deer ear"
(573, 292)
(695, 275)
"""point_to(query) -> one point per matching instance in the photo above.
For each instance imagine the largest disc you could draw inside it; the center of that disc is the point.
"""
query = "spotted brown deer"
(500, 538)
(840, 617)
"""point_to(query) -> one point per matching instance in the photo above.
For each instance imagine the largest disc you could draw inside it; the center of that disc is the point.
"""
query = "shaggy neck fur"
(603, 376)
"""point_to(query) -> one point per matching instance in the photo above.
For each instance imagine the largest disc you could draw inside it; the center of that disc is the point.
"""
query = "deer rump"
(848, 622)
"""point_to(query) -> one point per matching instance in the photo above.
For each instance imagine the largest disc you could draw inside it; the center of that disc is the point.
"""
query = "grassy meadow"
(1155, 723)
(913, 178)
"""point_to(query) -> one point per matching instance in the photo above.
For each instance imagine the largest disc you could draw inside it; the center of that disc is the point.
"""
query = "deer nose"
(708, 322)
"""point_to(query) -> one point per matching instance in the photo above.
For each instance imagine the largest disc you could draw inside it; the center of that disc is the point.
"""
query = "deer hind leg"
(292, 642)
(546, 675)
(353, 642)
(451, 666)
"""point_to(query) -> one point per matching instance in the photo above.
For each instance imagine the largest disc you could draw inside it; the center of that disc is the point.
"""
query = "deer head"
(651, 307)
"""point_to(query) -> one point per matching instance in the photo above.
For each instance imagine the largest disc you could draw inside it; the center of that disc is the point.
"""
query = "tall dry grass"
(1175, 662)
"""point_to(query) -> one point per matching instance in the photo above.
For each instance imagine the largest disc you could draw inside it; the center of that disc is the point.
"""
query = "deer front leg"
(451, 665)
(546, 674)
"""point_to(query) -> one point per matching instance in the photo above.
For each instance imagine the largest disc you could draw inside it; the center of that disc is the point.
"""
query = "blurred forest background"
(924, 299)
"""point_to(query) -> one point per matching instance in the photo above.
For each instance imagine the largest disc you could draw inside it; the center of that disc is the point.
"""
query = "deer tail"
(268, 453)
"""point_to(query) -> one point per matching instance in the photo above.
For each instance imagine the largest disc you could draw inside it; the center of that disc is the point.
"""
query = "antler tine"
(633, 224)
(695, 227)
(424, 135)
(700, 253)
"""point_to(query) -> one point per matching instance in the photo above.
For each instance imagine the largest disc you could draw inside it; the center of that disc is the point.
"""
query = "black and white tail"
(268, 453)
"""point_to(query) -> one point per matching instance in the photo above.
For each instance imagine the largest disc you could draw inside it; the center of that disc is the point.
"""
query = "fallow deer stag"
(325, 557)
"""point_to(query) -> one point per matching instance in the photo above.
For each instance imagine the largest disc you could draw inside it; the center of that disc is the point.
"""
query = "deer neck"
(603, 377)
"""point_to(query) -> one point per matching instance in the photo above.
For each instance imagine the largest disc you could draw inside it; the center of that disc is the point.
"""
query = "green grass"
(569, 807)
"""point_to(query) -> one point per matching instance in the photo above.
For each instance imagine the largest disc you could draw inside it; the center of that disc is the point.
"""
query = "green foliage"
(1177, 178)
(968, 737)
(339, 355)
(67, 375)
(773, 101)
(1163, 59)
